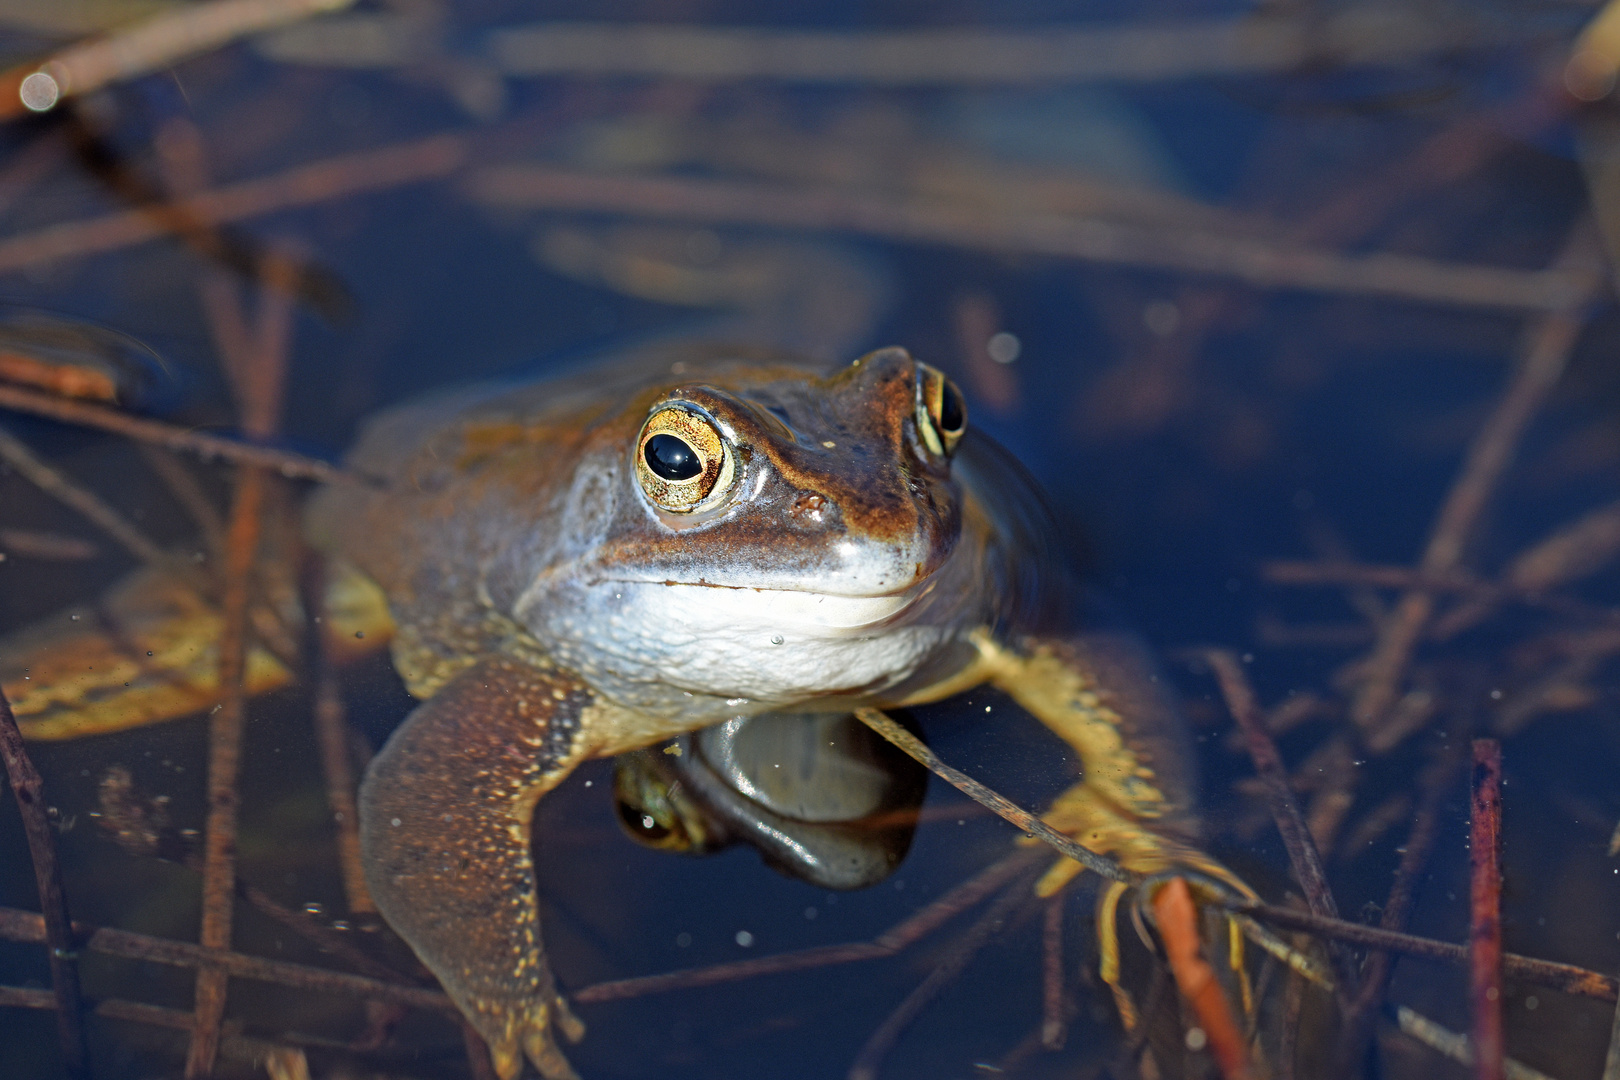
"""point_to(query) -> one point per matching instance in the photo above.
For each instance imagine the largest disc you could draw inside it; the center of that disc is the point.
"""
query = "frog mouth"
(792, 609)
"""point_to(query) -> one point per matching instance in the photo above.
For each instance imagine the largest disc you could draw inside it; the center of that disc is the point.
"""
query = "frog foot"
(1087, 817)
(1150, 855)
(525, 1030)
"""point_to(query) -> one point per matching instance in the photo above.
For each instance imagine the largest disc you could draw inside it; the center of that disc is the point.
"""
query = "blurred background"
(1301, 313)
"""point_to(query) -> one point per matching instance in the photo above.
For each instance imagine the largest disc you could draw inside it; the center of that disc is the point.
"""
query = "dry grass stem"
(333, 178)
(1548, 344)
(1362, 1013)
(66, 491)
(1054, 1008)
(1457, 1047)
(146, 47)
(1243, 258)
(199, 443)
(1176, 917)
(1567, 978)
(946, 971)
(1001, 807)
(1485, 936)
(904, 933)
(56, 927)
(1175, 49)
(1302, 853)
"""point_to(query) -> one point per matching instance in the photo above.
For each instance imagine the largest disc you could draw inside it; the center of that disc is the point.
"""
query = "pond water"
(1300, 315)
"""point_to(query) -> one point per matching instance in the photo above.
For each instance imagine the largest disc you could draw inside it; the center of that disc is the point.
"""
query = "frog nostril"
(810, 505)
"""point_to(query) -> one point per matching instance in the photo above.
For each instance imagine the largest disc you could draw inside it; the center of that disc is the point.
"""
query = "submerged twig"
(976, 56)
(1485, 935)
(29, 790)
(982, 795)
(291, 465)
(257, 376)
(157, 43)
(69, 493)
(25, 926)
(909, 930)
(962, 950)
(1362, 1013)
(1457, 1047)
(1567, 978)
(1177, 919)
(332, 178)
(1244, 258)
(224, 767)
(1302, 854)
(1054, 1007)
(1548, 345)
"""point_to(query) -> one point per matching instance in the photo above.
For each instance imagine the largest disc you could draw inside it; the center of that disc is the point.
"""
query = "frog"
(589, 566)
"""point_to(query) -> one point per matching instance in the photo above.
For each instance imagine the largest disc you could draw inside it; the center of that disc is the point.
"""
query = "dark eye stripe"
(671, 458)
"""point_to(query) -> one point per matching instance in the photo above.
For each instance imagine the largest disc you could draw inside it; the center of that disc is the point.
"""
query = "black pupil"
(672, 458)
(951, 418)
(642, 823)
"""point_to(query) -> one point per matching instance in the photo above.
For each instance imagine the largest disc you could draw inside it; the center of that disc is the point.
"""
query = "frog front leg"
(444, 831)
(1099, 693)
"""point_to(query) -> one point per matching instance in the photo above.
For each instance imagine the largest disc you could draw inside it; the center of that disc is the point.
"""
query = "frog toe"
(527, 1032)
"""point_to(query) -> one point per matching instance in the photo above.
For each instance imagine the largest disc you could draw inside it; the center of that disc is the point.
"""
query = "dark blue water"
(1187, 430)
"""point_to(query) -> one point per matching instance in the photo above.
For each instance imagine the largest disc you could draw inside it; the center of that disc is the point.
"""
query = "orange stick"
(1178, 928)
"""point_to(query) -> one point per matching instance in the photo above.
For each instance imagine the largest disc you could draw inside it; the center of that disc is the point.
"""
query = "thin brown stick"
(224, 768)
(1002, 807)
(258, 379)
(1054, 1009)
(332, 738)
(26, 926)
(149, 46)
(28, 788)
(201, 444)
(69, 493)
(1268, 764)
(1362, 1014)
(1567, 978)
(332, 733)
(1485, 936)
(1546, 353)
(34, 544)
(1473, 590)
(1245, 258)
(1177, 919)
(1132, 52)
(333, 178)
(904, 933)
(962, 950)
(235, 1045)
(182, 484)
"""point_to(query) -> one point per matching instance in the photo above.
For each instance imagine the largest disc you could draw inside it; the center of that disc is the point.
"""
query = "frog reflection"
(819, 795)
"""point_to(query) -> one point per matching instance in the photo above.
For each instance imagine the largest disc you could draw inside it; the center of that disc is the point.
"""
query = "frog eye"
(941, 411)
(643, 825)
(682, 460)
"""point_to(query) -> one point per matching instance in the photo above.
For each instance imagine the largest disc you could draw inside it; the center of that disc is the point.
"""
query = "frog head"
(773, 536)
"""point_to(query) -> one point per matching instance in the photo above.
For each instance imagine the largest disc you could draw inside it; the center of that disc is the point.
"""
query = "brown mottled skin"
(550, 611)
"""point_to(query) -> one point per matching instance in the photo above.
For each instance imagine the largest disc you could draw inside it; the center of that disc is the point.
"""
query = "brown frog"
(583, 567)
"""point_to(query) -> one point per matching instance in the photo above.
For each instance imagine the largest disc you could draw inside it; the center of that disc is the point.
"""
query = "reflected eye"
(682, 461)
(642, 825)
(941, 411)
